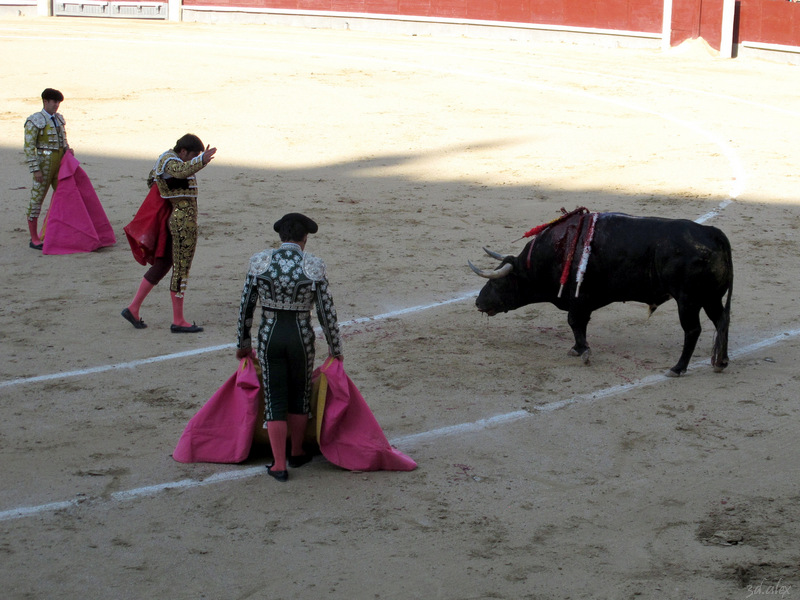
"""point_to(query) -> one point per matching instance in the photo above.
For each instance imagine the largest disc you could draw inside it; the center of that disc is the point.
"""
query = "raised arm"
(175, 167)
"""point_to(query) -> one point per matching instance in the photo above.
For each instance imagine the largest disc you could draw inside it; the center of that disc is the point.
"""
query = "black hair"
(292, 231)
(51, 94)
(189, 142)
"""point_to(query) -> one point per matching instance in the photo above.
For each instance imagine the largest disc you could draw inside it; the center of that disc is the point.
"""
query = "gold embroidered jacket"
(42, 137)
(175, 178)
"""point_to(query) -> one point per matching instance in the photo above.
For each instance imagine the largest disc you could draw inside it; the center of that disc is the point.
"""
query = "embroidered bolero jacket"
(287, 278)
(174, 177)
(42, 137)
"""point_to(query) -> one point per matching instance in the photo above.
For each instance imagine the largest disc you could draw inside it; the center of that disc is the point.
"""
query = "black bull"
(636, 259)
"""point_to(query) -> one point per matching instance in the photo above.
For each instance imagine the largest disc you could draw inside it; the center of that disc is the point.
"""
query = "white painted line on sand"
(185, 483)
(713, 213)
(582, 398)
(104, 368)
(156, 359)
(403, 441)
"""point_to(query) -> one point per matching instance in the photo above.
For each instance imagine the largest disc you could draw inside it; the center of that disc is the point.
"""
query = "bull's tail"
(719, 354)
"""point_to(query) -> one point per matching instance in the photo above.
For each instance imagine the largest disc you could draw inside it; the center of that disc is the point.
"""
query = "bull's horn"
(496, 274)
(494, 254)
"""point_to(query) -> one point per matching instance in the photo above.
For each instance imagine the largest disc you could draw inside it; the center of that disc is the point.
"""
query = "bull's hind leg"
(719, 316)
(578, 322)
(690, 321)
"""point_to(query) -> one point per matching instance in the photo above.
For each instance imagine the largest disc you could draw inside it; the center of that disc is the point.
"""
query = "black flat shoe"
(128, 316)
(282, 476)
(298, 461)
(35, 246)
(193, 328)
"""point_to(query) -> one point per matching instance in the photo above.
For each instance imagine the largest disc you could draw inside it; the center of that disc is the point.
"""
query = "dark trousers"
(161, 264)
(286, 362)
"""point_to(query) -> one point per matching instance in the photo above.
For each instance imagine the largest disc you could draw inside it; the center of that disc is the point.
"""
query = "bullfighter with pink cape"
(349, 436)
(76, 221)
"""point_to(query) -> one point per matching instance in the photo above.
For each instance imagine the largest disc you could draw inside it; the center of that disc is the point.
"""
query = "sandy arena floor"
(539, 478)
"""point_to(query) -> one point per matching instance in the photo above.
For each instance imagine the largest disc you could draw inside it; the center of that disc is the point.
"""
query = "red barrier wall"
(769, 22)
(766, 21)
(623, 15)
(696, 18)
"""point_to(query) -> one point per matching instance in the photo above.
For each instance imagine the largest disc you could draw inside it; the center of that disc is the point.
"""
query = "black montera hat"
(51, 94)
(287, 220)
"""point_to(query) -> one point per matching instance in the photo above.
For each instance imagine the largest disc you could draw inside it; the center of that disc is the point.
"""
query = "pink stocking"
(297, 427)
(144, 288)
(277, 430)
(33, 228)
(177, 311)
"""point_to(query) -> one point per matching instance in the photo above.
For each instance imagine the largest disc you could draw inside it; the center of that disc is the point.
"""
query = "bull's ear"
(510, 260)
(518, 266)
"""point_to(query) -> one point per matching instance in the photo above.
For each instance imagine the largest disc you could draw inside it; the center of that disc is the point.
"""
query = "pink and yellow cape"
(348, 434)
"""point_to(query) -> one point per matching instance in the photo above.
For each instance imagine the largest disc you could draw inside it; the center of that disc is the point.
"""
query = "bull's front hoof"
(673, 373)
(719, 369)
(586, 356)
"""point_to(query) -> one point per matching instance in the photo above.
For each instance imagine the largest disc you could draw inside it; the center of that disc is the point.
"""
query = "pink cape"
(222, 430)
(349, 435)
(76, 221)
